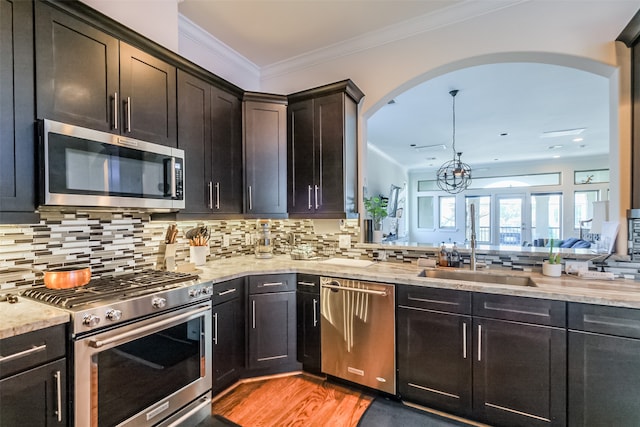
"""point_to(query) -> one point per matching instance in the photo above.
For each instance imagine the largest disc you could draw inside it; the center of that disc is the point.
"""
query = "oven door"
(143, 372)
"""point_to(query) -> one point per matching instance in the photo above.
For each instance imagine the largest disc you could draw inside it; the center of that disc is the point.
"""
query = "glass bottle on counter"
(455, 256)
(442, 256)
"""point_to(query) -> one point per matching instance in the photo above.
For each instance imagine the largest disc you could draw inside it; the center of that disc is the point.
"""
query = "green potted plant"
(376, 207)
(552, 266)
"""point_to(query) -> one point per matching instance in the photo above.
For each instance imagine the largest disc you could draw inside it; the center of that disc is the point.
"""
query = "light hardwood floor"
(295, 400)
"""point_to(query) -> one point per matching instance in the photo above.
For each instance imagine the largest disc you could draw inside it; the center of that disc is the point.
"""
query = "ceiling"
(520, 100)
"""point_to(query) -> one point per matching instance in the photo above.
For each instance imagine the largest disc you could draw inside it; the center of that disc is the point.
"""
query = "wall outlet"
(344, 241)
(574, 267)
(225, 240)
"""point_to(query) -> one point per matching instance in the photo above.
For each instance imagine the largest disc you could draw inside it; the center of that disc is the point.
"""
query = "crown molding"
(215, 47)
(456, 13)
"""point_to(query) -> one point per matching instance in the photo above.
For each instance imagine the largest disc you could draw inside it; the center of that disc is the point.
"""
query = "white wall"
(155, 19)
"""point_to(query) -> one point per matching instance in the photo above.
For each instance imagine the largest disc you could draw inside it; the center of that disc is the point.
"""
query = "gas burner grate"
(121, 287)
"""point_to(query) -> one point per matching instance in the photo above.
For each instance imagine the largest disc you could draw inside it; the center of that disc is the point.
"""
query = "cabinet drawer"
(267, 283)
(34, 348)
(446, 300)
(226, 291)
(620, 321)
(520, 309)
(309, 283)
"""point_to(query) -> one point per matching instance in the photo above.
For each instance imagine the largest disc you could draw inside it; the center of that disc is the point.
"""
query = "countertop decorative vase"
(551, 270)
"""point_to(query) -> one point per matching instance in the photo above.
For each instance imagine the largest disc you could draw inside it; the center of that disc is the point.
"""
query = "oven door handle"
(96, 343)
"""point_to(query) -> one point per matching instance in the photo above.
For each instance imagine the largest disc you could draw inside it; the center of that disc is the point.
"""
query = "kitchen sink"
(474, 276)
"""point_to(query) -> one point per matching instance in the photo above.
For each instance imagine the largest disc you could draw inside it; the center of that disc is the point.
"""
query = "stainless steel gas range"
(141, 348)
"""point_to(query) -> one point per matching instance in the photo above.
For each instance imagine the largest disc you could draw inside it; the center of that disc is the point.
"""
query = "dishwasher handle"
(357, 290)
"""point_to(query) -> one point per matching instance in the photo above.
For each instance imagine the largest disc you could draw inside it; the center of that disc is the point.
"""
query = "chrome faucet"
(472, 261)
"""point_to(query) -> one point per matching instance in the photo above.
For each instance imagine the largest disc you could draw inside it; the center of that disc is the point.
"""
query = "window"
(591, 177)
(447, 212)
(546, 216)
(583, 206)
(425, 212)
(483, 218)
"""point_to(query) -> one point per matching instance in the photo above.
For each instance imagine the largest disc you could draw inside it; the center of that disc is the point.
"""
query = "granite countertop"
(619, 292)
(26, 315)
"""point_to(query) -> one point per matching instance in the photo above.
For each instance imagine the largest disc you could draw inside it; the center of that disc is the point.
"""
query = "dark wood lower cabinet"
(434, 359)
(36, 397)
(308, 323)
(228, 343)
(272, 329)
(604, 380)
(519, 374)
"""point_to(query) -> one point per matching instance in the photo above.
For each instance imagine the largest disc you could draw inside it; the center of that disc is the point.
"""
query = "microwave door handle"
(173, 178)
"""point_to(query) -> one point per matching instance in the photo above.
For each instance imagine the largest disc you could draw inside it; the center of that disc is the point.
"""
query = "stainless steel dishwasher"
(357, 332)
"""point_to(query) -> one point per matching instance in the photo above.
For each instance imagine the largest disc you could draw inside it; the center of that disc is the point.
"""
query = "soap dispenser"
(455, 256)
(442, 256)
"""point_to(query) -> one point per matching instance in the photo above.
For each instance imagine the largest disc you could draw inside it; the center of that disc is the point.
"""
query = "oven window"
(134, 375)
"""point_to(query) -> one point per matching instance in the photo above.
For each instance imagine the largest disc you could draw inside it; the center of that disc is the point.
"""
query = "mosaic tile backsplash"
(117, 242)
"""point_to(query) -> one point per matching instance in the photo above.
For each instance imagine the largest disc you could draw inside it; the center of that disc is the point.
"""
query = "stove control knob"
(207, 290)
(113, 315)
(159, 302)
(195, 292)
(90, 320)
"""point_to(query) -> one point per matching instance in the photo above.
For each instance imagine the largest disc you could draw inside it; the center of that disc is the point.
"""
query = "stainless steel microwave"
(88, 168)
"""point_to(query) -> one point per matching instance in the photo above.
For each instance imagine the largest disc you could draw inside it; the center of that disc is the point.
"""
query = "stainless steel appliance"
(89, 168)
(633, 239)
(357, 329)
(141, 348)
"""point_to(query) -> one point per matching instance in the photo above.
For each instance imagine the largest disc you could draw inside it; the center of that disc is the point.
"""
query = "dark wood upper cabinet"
(210, 132)
(265, 154)
(17, 133)
(90, 78)
(322, 151)
(630, 36)
(148, 104)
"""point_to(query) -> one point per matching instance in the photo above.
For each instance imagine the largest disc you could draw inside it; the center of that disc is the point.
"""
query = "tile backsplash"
(117, 242)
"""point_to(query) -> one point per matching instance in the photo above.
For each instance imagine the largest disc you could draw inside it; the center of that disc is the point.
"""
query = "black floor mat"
(387, 413)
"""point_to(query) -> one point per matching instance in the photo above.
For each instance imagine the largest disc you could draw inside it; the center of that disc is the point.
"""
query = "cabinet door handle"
(479, 343)
(115, 111)
(316, 194)
(217, 195)
(315, 312)
(210, 185)
(215, 328)
(23, 353)
(253, 314)
(464, 340)
(58, 412)
(129, 114)
(250, 199)
(272, 284)
(228, 291)
(307, 284)
(309, 197)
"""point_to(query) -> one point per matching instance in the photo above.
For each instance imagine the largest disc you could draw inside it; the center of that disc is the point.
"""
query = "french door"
(510, 225)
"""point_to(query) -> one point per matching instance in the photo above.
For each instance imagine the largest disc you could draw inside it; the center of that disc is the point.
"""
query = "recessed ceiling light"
(583, 145)
(392, 102)
(555, 147)
(430, 147)
(504, 134)
(566, 132)
(430, 158)
(557, 156)
(577, 139)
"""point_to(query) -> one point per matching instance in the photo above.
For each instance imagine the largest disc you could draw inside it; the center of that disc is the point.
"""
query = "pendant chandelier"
(454, 176)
